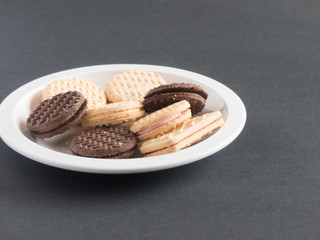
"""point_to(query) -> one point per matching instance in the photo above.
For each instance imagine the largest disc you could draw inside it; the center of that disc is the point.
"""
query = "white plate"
(16, 108)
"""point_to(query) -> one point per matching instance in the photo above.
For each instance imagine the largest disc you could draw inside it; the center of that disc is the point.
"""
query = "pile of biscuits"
(137, 112)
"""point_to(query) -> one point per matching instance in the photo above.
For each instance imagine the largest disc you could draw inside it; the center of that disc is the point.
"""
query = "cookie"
(178, 87)
(94, 95)
(104, 142)
(192, 131)
(113, 113)
(161, 121)
(132, 85)
(165, 95)
(57, 114)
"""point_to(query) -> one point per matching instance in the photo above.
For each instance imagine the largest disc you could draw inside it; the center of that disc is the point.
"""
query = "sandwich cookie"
(113, 113)
(187, 134)
(93, 93)
(161, 121)
(57, 114)
(132, 85)
(165, 95)
(104, 142)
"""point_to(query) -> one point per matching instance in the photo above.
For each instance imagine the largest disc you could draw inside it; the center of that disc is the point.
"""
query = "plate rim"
(137, 165)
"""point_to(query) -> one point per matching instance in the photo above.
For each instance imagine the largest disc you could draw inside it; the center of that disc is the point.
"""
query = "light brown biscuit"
(132, 85)
(185, 135)
(160, 116)
(161, 121)
(167, 127)
(94, 95)
(186, 142)
(113, 113)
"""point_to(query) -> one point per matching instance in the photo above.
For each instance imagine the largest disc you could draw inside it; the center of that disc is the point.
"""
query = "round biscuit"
(94, 95)
(103, 142)
(132, 85)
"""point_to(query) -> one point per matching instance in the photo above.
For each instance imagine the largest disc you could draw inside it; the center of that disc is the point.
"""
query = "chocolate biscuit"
(166, 95)
(178, 87)
(57, 114)
(104, 142)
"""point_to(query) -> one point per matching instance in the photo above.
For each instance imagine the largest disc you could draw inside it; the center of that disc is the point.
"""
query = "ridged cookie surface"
(94, 95)
(57, 114)
(107, 142)
(132, 85)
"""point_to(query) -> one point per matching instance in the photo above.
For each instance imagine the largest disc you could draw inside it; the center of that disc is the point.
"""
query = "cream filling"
(149, 129)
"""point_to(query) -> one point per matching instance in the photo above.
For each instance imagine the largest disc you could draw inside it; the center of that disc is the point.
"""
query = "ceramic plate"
(16, 108)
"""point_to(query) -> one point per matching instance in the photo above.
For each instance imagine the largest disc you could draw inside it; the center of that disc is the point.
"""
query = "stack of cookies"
(138, 112)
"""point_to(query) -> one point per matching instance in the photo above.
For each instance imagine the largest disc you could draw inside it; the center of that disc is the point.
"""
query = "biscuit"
(161, 121)
(57, 114)
(185, 115)
(132, 85)
(187, 134)
(165, 95)
(113, 113)
(178, 87)
(94, 95)
(104, 142)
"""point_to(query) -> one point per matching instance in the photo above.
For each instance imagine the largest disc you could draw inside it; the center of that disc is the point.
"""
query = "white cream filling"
(149, 129)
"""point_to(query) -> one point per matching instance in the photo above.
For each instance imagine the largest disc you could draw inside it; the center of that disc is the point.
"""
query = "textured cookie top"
(160, 115)
(132, 85)
(178, 87)
(55, 111)
(103, 141)
(188, 128)
(93, 93)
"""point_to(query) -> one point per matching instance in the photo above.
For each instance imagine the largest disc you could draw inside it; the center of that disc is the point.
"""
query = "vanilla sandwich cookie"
(132, 85)
(94, 95)
(113, 114)
(192, 131)
(161, 121)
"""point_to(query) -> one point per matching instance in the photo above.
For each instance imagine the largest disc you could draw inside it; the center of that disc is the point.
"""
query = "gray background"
(265, 185)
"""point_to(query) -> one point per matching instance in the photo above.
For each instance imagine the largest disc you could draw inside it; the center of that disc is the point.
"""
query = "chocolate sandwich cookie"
(168, 94)
(57, 114)
(104, 142)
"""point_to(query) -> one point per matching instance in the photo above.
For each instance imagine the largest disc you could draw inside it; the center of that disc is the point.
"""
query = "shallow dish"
(16, 108)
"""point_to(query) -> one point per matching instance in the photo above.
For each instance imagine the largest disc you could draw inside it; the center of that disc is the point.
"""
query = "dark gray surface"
(265, 185)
